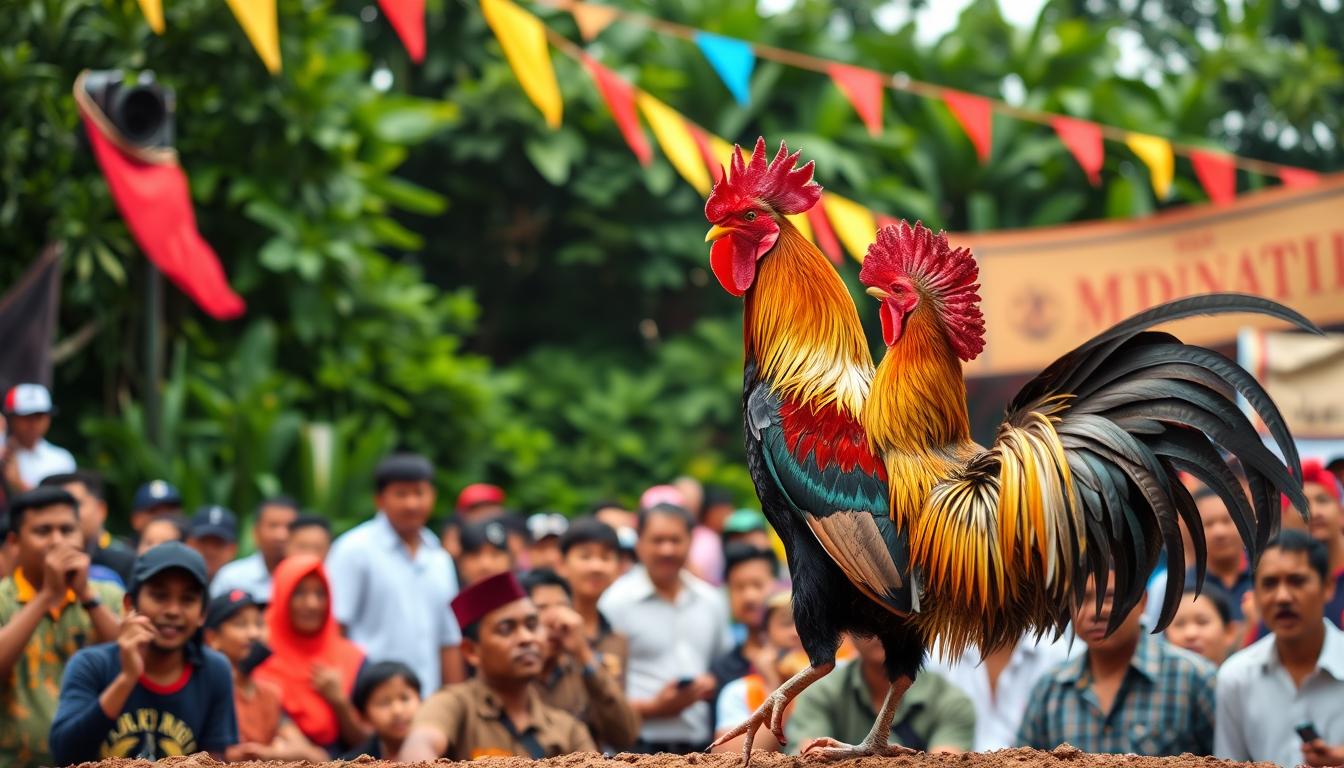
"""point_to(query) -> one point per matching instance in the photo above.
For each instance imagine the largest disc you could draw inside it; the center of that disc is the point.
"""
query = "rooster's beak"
(715, 232)
(877, 293)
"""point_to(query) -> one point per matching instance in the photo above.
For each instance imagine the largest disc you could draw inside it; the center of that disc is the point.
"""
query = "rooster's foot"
(829, 750)
(770, 713)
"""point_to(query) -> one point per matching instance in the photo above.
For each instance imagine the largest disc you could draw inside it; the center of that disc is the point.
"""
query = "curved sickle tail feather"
(1082, 478)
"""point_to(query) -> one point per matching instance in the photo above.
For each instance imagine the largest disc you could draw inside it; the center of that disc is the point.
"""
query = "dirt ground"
(1062, 757)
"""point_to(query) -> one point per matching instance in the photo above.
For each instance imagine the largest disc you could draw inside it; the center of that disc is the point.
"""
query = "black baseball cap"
(165, 557)
(480, 534)
(216, 521)
(223, 608)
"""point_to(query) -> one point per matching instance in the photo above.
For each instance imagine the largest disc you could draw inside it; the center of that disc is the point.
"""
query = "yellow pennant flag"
(153, 11)
(800, 223)
(669, 128)
(1155, 152)
(592, 19)
(259, 22)
(853, 224)
(523, 38)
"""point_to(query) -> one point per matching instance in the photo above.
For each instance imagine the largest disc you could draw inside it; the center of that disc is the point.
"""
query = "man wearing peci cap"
(498, 713)
(156, 691)
(214, 535)
(391, 578)
(26, 457)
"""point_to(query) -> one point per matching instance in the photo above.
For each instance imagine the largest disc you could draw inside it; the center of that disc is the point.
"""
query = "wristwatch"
(91, 603)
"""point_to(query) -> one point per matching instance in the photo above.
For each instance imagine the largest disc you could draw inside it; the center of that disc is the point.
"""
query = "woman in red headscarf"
(311, 663)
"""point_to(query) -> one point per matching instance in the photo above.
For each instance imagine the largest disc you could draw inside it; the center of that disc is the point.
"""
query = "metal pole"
(153, 348)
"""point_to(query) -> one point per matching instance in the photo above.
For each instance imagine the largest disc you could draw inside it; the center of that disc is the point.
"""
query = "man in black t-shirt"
(155, 692)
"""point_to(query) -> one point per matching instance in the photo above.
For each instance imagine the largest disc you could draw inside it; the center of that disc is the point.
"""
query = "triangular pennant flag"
(799, 221)
(153, 11)
(863, 88)
(1083, 139)
(258, 20)
(523, 38)
(28, 321)
(976, 115)
(702, 139)
(732, 59)
(620, 99)
(592, 19)
(822, 232)
(884, 221)
(674, 136)
(1217, 173)
(1155, 152)
(1299, 177)
(853, 223)
(407, 18)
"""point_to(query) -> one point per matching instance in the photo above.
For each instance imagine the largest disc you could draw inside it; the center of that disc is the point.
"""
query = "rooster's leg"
(771, 711)
(875, 743)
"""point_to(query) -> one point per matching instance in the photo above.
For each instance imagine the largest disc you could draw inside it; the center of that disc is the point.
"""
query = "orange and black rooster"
(895, 523)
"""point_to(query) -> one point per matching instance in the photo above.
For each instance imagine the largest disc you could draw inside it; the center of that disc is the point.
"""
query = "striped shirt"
(1165, 706)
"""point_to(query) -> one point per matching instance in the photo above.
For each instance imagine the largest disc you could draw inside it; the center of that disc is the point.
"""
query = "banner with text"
(1045, 291)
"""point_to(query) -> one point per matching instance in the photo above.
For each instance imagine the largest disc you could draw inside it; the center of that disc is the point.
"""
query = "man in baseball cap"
(479, 501)
(115, 696)
(154, 499)
(214, 534)
(27, 457)
(498, 713)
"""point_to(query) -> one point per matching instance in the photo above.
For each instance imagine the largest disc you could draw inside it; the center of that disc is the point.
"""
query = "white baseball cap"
(28, 400)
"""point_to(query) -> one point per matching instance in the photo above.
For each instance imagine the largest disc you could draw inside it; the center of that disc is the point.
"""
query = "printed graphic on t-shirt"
(150, 734)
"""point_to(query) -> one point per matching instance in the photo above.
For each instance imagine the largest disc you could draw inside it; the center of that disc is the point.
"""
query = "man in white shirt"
(677, 625)
(1291, 678)
(28, 457)
(1001, 683)
(270, 535)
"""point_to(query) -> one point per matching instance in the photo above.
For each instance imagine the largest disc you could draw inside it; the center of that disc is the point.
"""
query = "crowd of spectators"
(650, 629)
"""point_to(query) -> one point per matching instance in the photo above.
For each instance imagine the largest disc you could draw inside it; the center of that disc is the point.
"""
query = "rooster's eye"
(750, 216)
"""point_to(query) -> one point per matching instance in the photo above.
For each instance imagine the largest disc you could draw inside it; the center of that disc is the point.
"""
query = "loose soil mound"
(1062, 757)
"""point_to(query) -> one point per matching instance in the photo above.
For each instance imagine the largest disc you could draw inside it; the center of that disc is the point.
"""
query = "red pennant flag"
(714, 165)
(1298, 178)
(1083, 139)
(976, 115)
(1217, 172)
(620, 98)
(154, 200)
(884, 221)
(863, 88)
(407, 18)
(825, 236)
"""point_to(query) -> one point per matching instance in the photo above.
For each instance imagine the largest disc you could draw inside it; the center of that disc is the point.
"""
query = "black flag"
(28, 322)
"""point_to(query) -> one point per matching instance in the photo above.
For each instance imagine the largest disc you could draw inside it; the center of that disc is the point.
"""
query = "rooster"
(807, 375)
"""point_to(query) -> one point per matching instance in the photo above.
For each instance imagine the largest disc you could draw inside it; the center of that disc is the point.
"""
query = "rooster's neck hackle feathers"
(802, 330)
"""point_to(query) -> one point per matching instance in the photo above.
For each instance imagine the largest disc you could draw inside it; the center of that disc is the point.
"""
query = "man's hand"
(137, 632)
(674, 697)
(327, 682)
(765, 660)
(10, 467)
(566, 626)
(56, 576)
(76, 566)
(1316, 752)
(247, 751)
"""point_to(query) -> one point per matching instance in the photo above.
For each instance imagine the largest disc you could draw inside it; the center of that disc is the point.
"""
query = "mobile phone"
(685, 682)
(1307, 732)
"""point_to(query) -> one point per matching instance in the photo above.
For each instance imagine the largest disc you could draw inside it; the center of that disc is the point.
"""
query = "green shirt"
(933, 713)
(28, 696)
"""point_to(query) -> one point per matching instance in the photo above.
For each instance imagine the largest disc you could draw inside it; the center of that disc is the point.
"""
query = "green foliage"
(431, 267)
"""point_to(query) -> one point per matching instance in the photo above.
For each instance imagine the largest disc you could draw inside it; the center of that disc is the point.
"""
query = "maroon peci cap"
(479, 493)
(472, 603)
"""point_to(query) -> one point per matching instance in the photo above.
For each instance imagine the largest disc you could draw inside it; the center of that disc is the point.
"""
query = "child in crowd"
(234, 627)
(387, 696)
(1204, 624)
(485, 551)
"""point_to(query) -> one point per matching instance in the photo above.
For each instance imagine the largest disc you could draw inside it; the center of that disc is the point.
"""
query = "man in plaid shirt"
(1131, 692)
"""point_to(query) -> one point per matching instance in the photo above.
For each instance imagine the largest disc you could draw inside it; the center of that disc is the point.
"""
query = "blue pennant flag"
(732, 59)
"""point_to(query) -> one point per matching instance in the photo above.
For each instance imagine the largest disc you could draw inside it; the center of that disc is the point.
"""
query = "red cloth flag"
(154, 200)
(1299, 177)
(1083, 138)
(1217, 172)
(976, 115)
(863, 88)
(407, 18)
(825, 236)
(620, 99)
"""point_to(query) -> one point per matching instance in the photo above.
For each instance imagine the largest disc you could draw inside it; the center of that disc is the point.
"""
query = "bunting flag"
(153, 11)
(28, 321)
(853, 223)
(592, 19)
(620, 99)
(259, 23)
(822, 233)
(1083, 139)
(863, 88)
(1299, 177)
(800, 223)
(1155, 152)
(674, 136)
(976, 115)
(407, 18)
(523, 38)
(732, 59)
(1217, 173)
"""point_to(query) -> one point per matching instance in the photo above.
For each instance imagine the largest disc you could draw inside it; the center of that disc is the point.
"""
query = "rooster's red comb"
(786, 189)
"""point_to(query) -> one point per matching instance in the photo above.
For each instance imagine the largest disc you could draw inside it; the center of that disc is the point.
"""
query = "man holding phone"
(1282, 699)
